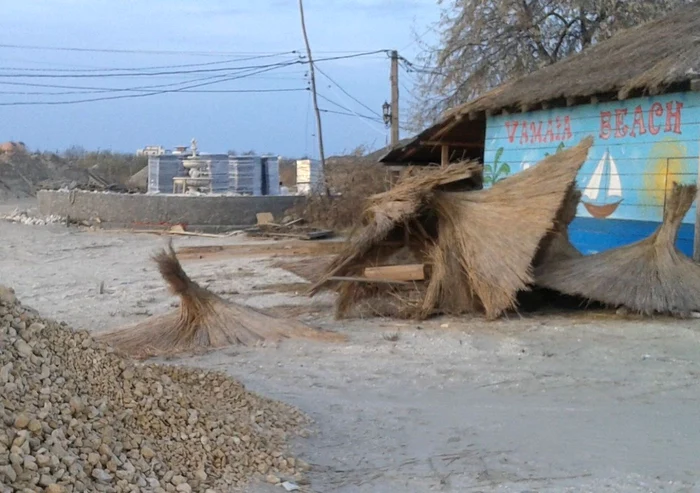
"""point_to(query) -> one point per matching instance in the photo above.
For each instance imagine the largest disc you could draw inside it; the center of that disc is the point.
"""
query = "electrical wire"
(159, 67)
(347, 93)
(128, 96)
(301, 60)
(161, 52)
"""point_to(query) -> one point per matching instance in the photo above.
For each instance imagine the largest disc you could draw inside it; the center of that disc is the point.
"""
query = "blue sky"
(219, 31)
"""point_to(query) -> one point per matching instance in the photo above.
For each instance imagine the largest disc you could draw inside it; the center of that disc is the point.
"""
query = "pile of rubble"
(23, 217)
(76, 417)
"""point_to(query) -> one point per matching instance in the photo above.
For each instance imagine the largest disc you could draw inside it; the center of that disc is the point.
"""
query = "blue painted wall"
(641, 146)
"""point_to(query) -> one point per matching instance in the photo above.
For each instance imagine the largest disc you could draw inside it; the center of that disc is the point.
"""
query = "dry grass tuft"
(650, 276)
(203, 321)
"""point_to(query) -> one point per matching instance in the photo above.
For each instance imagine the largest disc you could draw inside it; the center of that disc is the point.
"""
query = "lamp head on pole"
(386, 113)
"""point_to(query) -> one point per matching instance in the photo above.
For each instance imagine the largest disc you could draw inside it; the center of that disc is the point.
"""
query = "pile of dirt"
(22, 174)
(76, 417)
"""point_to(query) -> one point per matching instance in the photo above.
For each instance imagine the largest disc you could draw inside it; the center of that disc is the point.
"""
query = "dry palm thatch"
(649, 276)
(204, 320)
(393, 229)
(556, 245)
(487, 239)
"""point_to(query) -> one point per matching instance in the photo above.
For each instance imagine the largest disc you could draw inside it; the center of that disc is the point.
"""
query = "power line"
(162, 52)
(348, 94)
(129, 96)
(298, 61)
(282, 89)
(351, 114)
(159, 67)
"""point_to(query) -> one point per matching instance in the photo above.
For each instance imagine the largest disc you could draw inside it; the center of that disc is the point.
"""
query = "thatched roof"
(653, 58)
(647, 59)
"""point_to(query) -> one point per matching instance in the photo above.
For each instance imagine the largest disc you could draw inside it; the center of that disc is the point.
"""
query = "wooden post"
(444, 155)
(394, 98)
(312, 75)
(696, 240)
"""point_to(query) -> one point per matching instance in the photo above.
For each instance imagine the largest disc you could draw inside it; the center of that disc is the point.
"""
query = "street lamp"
(386, 113)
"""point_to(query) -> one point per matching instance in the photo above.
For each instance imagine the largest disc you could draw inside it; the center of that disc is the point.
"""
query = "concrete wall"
(150, 211)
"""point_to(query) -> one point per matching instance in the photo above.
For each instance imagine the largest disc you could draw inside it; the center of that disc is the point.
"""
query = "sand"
(585, 402)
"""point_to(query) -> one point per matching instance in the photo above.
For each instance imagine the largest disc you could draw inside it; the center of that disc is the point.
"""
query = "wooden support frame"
(444, 155)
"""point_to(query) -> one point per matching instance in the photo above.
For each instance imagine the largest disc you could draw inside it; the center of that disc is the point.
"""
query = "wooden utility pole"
(312, 74)
(394, 98)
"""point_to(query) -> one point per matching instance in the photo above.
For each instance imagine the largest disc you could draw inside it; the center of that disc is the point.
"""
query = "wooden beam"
(408, 272)
(444, 155)
(466, 145)
(695, 85)
(364, 279)
(524, 108)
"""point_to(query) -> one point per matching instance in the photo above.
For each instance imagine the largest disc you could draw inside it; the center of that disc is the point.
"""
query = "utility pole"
(312, 74)
(394, 98)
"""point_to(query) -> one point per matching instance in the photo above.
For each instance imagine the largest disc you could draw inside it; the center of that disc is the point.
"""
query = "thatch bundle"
(479, 244)
(556, 245)
(396, 228)
(487, 239)
(650, 276)
(204, 320)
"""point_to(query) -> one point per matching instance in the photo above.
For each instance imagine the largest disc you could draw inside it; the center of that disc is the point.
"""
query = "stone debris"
(23, 217)
(76, 417)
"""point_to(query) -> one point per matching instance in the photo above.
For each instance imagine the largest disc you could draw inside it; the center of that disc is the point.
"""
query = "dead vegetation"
(351, 182)
(203, 321)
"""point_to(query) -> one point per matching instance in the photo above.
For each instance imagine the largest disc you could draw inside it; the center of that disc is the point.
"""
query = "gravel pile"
(74, 417)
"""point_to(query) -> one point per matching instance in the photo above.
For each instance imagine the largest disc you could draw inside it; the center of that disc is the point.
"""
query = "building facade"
(641, 147)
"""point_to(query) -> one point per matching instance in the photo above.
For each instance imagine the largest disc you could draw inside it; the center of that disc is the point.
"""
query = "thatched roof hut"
(654, 58)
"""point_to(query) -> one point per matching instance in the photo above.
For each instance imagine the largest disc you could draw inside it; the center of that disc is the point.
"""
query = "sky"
(213, 39)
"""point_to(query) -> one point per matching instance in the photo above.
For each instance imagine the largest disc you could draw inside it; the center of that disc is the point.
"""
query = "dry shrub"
(351, 181)
(204, 320)
(649, 276)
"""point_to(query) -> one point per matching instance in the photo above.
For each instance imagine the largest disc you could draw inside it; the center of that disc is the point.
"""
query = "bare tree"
(487, 42)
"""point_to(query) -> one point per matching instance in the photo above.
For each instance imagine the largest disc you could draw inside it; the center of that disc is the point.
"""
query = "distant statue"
(194, 147)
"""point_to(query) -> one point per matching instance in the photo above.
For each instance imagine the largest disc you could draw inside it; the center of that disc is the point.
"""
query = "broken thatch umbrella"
(480, 244)
(487, 239)
(204, 320)
(650, 276)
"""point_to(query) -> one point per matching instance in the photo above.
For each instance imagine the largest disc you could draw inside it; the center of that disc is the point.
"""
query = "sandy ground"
(587, 402)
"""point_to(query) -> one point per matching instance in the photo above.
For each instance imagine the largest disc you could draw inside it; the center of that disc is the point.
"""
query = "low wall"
(160, 210)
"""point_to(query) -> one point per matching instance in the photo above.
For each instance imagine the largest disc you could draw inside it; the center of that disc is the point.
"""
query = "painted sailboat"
(603, 194)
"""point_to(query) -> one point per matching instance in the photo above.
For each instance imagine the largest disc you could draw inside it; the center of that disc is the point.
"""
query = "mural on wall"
(641, 146)
(603, 193)
(497, 170)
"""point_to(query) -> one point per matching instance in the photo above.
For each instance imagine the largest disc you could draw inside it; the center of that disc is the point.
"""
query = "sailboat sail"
(593, 188)
(614, 187)
(606, 178)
